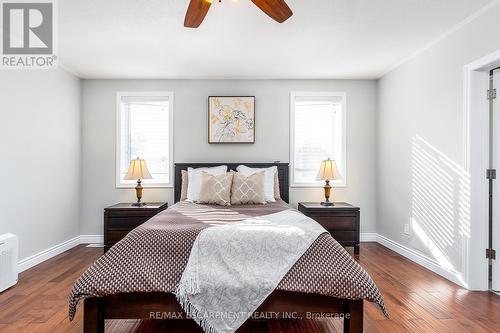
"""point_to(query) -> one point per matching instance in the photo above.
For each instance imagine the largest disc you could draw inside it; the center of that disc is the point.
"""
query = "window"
(318, 126)
(145, 130)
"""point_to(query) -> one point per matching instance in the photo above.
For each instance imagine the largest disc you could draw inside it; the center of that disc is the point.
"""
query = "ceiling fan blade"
(196, 12)
(278, 10)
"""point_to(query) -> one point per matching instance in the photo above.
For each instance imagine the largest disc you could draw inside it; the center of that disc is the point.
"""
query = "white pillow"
(268, 178)
(195, 177)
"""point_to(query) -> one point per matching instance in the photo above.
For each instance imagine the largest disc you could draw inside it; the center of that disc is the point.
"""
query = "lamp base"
(138, 192)
(327, 189)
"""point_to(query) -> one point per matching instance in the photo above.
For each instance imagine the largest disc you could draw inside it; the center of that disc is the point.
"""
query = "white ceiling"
(323, 39)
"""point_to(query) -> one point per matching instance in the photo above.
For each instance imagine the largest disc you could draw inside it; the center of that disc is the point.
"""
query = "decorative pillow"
(194, 179)
(248, 189)
(277, 193)
(268, 178)
(184, 185)
(216, 190)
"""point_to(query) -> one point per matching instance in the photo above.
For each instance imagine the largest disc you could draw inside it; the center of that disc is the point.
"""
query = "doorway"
(494, 185)
(480, 272)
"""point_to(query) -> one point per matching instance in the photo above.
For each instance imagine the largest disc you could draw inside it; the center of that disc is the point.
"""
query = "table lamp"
(328, 171)
(138, 170)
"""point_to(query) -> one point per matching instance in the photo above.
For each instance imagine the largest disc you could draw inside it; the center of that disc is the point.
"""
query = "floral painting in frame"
(231, 119)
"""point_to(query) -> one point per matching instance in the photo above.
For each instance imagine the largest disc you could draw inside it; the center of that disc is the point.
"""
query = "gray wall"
(421, 177)
(190, 137)
(40, 154)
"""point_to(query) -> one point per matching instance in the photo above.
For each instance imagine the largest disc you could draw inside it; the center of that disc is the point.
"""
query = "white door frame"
(476, 143)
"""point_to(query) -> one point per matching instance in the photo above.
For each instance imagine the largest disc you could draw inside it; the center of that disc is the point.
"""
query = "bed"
(115, 287)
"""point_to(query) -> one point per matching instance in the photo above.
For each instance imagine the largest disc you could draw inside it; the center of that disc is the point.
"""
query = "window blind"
(145, 124)
(317, 135)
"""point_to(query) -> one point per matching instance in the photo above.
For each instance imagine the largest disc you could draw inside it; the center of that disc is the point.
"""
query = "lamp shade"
(137, 170)
(328, 170)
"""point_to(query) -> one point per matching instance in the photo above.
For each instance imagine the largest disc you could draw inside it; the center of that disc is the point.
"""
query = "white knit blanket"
(234, 267)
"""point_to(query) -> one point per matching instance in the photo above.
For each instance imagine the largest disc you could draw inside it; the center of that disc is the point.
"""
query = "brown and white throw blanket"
(234, 267)
(153, 257)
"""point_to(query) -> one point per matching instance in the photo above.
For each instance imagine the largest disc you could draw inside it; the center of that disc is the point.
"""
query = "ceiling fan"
(198, 9)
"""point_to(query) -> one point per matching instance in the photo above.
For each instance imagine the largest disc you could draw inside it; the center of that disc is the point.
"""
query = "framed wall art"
(231, 119)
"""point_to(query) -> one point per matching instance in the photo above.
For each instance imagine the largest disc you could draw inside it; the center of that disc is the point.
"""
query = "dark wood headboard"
(282, 174)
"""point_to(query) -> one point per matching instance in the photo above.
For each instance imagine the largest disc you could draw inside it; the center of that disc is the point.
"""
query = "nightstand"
(121, 218)
(341, 220)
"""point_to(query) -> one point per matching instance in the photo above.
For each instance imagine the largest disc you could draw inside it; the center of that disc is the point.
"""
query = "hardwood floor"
(418, 301)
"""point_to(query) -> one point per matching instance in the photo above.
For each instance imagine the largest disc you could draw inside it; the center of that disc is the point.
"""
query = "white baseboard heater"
(9, 251)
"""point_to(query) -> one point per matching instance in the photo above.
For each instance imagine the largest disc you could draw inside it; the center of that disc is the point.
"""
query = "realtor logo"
(28, 34)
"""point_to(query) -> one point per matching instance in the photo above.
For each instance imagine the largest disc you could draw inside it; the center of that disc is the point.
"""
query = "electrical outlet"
(407, 229)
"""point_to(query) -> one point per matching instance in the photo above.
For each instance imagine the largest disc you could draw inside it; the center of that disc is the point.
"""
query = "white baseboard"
(411, 254)
(53, 251)
(91, 239)
(41, 256)
(368, 237)
(421, 259)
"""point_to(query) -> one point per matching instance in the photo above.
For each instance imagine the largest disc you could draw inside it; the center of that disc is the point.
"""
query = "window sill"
(340, 185)
(124, 186)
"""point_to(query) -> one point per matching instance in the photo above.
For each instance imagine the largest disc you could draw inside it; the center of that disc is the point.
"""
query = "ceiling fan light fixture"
(278, 10)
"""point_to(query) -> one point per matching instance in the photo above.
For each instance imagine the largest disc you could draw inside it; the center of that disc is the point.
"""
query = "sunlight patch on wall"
(440, 205)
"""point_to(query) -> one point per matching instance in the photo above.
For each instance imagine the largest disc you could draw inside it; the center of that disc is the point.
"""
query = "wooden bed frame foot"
(141, 305)
(354, 322)
(93, 321)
